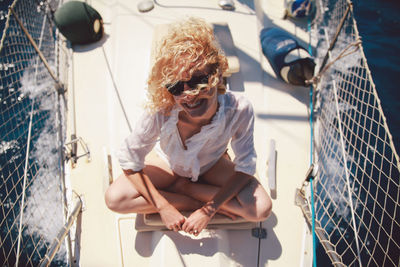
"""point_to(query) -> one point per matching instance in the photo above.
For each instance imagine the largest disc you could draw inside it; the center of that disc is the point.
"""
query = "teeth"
(193, 105)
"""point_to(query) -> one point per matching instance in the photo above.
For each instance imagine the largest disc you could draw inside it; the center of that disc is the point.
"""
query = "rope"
(304, 5)
(27, 153)
(338, 30)
(347, 173)
(64, 232)
(335, 142)
(60, 88)
(316, 79)
(24, 185)
(116, 89)
(313, 82)
(314, 238)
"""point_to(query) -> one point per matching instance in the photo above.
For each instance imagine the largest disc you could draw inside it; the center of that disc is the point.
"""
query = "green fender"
(79, 22)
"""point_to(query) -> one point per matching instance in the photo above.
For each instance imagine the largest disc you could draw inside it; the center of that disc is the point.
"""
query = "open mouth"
(195, 104)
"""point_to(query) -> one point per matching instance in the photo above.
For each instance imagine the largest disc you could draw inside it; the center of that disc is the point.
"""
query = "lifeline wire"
(116, 89)
(311, 155)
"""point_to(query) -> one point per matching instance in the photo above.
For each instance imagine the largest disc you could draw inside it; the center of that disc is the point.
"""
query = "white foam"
(5, 146)
(43, 214)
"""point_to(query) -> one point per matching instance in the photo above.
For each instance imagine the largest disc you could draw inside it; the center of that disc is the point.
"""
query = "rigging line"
(59, 109)
(6, 26)
(314, 238)
(357, 44)
(338, 30)
(24, 185)
(346, 172)
(28, 149)
(116, 89)
(73, 95)
(60, 87)
(369, 75)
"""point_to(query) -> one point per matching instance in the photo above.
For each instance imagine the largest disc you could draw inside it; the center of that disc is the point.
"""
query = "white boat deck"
(109, 239)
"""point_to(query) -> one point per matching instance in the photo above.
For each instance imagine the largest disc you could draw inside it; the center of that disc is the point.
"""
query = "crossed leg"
(251, 203)
(122, 196)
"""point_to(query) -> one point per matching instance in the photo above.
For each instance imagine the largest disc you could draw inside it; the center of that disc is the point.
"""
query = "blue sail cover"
(276, 45)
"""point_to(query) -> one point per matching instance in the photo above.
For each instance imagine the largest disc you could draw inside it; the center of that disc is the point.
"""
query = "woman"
(190, 119)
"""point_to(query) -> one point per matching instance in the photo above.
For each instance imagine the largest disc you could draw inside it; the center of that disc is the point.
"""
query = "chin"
(200, 110)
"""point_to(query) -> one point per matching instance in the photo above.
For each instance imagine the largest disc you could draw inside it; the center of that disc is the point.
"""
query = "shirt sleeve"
(140, 142)
(243, 139)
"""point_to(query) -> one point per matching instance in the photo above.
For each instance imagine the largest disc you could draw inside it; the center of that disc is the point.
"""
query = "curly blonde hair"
(190, 45)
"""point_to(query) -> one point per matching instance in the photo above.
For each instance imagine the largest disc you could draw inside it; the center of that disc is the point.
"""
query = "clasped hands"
(193, 224)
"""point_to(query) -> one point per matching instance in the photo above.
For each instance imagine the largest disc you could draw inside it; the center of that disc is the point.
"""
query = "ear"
(221, 86)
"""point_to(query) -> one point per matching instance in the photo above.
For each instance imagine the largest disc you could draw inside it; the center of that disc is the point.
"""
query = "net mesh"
(357, 186)
(28, 96)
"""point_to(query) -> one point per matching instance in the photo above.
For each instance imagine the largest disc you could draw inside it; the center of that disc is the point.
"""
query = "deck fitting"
(259, 232)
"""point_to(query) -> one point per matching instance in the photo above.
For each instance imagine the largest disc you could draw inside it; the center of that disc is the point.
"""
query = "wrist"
(160, 205)
(210, 208)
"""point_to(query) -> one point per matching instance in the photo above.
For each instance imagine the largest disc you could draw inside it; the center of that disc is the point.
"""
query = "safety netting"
(32, 200)
(356, 189)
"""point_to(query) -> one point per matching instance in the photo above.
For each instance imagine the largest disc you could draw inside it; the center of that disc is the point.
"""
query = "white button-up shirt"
(234, 121)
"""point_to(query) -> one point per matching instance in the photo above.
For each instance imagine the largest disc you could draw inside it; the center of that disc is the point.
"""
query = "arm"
(231, 188)
(245, 162)
(199, 219)
(245, 156)
(170, 216)
(131, 158)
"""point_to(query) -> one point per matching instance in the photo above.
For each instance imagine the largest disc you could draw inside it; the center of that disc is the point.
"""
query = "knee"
(263, 209)
(260, 205)
(112, 199)
(260, 211)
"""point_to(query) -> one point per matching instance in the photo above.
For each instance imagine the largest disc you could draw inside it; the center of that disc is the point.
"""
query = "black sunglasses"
(177, 88)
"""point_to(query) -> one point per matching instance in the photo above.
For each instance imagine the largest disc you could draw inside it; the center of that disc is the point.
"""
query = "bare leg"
(123, 197)
(251, 203)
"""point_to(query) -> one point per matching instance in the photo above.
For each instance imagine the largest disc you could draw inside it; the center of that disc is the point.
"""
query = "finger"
(189, 230)
(176, 226)
(172, 228)
(185, 227)
(180, 224)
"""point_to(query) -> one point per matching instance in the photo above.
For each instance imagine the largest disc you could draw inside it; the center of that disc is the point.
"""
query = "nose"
(186, 87)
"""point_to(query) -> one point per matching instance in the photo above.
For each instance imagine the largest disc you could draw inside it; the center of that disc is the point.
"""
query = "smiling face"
(181, 62)
(199, 103)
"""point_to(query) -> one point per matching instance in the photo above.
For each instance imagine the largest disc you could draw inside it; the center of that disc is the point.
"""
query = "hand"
(172, 218)
(197, 221)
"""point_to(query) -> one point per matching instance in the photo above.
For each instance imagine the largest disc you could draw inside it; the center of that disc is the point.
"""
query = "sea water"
(43, 213)
(378, 23)
(379, 26)
(22, 86)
